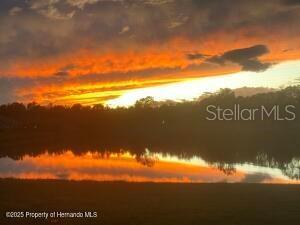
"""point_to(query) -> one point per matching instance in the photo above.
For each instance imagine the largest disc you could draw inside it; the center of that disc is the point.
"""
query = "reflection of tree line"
(177, 128)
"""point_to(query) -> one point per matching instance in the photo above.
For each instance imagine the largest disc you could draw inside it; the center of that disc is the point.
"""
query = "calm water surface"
(125, 166)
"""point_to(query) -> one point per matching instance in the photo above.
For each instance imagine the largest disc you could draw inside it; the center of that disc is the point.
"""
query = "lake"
(122, 165)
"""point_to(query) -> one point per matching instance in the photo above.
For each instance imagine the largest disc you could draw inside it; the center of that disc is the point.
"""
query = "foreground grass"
(119, 203)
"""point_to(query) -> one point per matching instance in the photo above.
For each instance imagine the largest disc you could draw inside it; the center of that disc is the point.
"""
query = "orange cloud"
(117, 71)
(171, 54)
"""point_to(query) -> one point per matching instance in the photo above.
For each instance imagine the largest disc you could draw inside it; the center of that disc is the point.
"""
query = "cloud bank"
(47, 43)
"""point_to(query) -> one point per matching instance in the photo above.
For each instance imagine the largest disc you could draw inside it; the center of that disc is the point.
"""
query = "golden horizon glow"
(126, 93)
(280, 75)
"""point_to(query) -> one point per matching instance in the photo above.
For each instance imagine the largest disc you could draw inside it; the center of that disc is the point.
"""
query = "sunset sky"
(117, 51)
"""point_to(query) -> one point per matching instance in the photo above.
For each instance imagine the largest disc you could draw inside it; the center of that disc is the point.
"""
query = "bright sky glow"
(279, 75)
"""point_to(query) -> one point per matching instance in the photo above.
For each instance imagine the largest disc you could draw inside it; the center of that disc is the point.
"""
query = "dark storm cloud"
(39, 28)
(65, 71)
(194, 56)
(291, 2)
(61, 73)
(6, 94)
(9, 86)
(247, 58)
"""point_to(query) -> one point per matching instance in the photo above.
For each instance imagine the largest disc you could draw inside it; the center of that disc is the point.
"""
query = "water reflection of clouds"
(127, 167)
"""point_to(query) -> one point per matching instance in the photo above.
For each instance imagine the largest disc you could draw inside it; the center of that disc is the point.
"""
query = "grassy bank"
(121, 203)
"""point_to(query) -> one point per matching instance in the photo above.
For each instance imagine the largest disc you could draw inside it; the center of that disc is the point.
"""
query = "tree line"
(179, 128)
